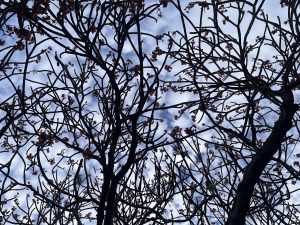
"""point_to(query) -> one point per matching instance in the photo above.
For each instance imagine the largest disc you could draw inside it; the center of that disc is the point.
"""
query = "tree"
(113, 114)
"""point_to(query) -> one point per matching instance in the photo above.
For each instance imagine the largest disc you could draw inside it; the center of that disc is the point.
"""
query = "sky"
(89, 107)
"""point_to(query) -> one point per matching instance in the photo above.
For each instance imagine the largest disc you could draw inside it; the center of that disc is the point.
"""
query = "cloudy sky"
(50, 72)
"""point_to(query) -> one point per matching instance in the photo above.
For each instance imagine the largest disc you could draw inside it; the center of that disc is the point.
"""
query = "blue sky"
(86, 97)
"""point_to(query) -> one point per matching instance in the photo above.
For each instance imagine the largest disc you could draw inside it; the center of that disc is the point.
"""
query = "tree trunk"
(254, 170)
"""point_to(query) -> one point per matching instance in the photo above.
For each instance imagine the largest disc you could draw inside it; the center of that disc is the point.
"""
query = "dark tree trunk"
(258, 164)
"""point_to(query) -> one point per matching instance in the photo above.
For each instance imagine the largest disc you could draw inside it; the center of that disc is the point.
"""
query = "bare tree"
(108, 121)
(87, 117)
(244, 69)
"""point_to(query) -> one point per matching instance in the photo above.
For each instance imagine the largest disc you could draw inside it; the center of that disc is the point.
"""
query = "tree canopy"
(149, 112)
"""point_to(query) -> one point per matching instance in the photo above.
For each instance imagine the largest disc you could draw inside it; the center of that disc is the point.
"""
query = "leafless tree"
(106, 121)
(244, 69)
